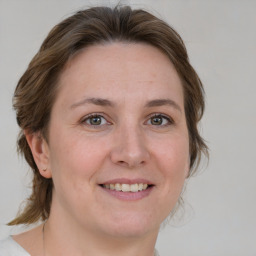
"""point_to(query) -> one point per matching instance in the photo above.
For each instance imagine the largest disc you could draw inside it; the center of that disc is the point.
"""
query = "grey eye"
(95, 120)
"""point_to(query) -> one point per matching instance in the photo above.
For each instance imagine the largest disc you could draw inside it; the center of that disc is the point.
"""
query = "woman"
(108, 110)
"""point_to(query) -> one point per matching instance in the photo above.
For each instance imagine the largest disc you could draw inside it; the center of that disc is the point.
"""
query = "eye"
(160, 120)
(95, 120)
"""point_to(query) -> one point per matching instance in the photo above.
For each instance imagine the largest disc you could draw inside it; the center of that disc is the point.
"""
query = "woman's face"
(118, 147)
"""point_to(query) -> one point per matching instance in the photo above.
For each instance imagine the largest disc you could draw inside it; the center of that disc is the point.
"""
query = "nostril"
(122, 162)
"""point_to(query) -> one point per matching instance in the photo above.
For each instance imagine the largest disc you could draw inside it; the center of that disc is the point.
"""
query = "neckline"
(17, 245)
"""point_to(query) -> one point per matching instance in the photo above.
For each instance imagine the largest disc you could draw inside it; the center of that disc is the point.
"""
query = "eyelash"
(94, 115)
(169, 120)
(99, 115)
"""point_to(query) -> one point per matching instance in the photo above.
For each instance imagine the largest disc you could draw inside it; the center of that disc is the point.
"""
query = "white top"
(8, 247)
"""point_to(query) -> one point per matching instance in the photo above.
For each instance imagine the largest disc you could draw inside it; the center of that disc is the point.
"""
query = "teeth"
(144, 186)
(118, 187)
(134, 187)
(126, 187)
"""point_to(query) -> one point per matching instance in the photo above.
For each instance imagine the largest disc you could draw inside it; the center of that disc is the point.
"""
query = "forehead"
(139, 69)
(120, 57)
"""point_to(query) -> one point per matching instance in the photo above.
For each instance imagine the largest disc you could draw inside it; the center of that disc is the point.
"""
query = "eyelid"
(95, 114)
(100, 114)
(167, 117)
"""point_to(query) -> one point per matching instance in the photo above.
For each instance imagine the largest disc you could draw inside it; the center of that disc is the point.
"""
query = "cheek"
(76, 156)
(75, 159)
(173, 161)
(174, 155)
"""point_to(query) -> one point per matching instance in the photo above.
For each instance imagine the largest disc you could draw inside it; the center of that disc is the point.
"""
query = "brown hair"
(36, 89)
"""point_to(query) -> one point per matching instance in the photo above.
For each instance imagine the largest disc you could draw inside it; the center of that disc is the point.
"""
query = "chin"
(131, 232)
(133, 226)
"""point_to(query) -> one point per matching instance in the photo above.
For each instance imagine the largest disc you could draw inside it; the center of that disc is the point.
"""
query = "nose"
(130, 148)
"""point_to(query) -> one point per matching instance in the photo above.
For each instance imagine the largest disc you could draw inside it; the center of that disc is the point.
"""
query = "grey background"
(220, 35)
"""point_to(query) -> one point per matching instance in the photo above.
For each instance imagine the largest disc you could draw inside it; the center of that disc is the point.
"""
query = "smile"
(126, 187)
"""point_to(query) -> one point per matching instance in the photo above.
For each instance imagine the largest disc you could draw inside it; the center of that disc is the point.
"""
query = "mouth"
(126, 188)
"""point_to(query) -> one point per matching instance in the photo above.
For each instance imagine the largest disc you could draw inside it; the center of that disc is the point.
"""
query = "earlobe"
(40, 151)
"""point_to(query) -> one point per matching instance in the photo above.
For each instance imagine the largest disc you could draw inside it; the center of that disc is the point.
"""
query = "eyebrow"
(106, 102)
(162, 102)
(95, 101)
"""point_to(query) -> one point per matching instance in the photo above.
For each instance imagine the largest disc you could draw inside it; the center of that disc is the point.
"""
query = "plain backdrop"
(220, 35)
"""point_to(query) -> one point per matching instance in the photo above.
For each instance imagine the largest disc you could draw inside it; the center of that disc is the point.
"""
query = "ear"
(40, 151)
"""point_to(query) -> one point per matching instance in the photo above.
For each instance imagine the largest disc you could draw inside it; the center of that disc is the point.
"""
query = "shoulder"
(8, 247)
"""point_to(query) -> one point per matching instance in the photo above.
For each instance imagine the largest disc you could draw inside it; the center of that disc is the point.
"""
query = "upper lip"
(127, 181)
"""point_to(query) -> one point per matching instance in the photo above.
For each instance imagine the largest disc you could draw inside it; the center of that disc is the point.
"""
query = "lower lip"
(128, 196)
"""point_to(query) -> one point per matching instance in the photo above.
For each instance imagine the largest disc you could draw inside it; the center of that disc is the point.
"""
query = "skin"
(127, 142)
